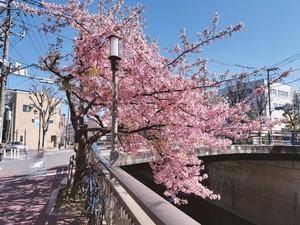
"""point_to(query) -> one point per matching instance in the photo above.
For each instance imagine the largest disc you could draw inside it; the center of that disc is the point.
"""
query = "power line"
(287, 60)
(290, 82)
(233, 64)
(55, 34)
(46, 35)
(34, 42)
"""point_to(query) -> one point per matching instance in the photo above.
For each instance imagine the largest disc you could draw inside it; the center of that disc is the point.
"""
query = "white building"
(264, 104)
(280, 95)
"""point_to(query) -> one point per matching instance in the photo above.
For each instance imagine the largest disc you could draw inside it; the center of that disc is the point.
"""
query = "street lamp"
(114, 57)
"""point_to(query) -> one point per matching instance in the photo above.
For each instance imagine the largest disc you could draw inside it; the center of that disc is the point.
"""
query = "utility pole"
(269, 100)
(5, 68)
(298, 110)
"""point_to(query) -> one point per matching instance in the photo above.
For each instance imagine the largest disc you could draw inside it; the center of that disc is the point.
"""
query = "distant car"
(16, 144)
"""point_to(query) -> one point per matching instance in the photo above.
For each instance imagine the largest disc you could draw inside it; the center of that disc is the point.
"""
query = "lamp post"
(114, 57)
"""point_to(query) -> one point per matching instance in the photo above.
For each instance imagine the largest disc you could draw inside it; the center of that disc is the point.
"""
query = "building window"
(283, 93)
(27, 108)
(33, 120)
(50, 121)
(274, 91)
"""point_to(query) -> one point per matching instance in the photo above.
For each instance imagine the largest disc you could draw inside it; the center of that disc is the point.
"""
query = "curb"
(53, 198)
(51, 202)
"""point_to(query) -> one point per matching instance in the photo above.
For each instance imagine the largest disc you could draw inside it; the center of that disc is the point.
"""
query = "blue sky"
(271, 34)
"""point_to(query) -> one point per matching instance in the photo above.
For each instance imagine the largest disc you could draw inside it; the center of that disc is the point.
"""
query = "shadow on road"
(25, 199)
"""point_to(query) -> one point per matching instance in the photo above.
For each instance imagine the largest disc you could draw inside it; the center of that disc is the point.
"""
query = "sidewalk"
(31, 199)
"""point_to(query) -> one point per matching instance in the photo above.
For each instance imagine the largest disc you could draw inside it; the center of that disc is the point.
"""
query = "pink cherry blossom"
(166, 105)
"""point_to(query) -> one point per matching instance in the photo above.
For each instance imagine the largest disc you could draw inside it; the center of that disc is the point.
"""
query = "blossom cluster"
(168, 106)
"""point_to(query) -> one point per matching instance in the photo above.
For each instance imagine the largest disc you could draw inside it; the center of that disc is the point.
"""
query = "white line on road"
(38, 164)
(7, 180)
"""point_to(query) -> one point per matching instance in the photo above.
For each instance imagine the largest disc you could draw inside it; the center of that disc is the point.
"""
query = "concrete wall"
(234, 149)
(144, 155)
(261, 191)
(261, 187)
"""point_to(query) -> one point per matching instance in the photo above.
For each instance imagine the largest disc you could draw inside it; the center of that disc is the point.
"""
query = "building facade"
(280, 95)
(22, 122)
(264, 104)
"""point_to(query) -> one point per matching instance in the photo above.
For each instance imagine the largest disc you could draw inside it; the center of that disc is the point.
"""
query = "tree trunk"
(82, 149)
(293, 138)
(259, 138)
(43, 139)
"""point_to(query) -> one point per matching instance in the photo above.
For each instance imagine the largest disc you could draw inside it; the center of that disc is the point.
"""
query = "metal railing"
(129, 202)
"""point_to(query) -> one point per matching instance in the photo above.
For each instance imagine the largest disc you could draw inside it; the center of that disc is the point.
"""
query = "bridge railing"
(127, 201)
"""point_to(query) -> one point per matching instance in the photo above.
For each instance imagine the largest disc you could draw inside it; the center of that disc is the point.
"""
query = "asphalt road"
(34, 164)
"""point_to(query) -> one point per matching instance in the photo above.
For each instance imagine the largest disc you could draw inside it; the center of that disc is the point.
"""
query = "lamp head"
(114, 53)
(114, 46)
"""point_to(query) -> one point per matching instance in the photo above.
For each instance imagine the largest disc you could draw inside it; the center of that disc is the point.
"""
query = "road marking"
(52, 174)
(38, 164)
(9, 179)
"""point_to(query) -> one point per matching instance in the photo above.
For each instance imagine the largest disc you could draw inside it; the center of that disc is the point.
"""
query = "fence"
(129, 202)
(14, 153)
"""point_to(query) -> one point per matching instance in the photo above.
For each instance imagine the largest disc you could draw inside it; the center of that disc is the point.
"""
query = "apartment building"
(22, 122)
(264, 104)
(280, 95)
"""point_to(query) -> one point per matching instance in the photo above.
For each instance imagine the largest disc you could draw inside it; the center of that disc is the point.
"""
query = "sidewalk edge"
(51, 203)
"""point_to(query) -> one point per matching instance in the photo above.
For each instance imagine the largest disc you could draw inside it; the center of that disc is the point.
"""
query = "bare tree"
(260, 101)
(239, 90)
(45, 100)
(236, 91)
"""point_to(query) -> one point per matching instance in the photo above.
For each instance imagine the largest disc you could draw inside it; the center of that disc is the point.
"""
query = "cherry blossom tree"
(166, 105)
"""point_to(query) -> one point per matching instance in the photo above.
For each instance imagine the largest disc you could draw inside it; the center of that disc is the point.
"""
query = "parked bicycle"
(88, 197)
